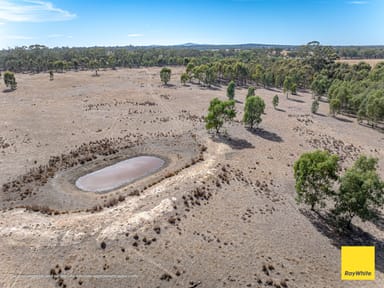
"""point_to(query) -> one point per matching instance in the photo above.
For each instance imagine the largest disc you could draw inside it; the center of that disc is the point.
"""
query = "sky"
(84, 23)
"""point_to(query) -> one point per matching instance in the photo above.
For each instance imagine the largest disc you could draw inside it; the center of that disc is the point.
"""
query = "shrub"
(315, 106)
(165, 75)
(251, 91)
(275, 101)
(10, 80)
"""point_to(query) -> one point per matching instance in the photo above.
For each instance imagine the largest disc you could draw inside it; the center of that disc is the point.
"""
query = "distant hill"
(222, 46)
(196, 46)
(246, 46)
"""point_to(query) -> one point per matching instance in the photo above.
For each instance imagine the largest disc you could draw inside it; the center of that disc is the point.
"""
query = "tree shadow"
(218, 85)
(279, 109)
(168, 86)
(238, 101)
(343, 119)
(8, 90)
(303, 90)
(379, 222)
(377, 128)
(212, 88)
(298, 95)
(325, 223)
(266, 134)
(296, 100)
(233, 142)
(272, 89)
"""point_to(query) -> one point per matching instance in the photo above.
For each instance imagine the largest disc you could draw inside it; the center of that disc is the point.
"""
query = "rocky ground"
(221, 214)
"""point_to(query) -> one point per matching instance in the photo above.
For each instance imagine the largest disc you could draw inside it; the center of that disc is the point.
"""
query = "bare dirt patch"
(221, 214)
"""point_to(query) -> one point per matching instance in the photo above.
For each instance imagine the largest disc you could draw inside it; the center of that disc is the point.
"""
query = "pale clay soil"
(229, 220)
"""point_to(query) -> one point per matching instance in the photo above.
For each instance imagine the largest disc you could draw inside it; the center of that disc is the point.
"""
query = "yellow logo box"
(357, 263)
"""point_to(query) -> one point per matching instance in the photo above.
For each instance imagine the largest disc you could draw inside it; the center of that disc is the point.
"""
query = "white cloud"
(32, 11)
(135, 35)
(358, 2)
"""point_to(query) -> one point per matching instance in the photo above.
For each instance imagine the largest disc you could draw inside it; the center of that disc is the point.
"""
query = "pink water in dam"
(119, 174)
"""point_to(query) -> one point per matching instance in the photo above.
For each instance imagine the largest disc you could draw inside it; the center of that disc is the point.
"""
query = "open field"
(371, 62)
(222, 213)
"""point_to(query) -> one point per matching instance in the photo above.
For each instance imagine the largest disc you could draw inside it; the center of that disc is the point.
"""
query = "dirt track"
(229, 220)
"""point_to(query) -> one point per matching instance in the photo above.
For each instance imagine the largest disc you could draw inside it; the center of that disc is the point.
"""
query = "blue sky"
(166, 22)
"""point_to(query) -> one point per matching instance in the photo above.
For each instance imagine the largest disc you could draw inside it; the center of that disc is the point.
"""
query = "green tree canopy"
(315, 106)
(184, 78)
(289, 85)
(231, 90)
(210, 75)
(253, 109)
(361, 191)
(10, 80)
(251, 91)
(219, 112)
(165, 75)
(275, 101)
(334, 106)
(320, 84)
(189, 68)
(375, 106)
(315, 173)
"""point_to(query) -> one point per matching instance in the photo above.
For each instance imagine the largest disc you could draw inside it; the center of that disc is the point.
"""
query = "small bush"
(315, 107)
(275, 101)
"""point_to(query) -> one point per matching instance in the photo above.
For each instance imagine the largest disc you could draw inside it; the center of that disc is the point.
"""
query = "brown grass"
(371, 62)
(236, 211)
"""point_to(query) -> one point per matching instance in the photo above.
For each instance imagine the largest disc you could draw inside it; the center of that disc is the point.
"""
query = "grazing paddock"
(371, 62)
(221, 212)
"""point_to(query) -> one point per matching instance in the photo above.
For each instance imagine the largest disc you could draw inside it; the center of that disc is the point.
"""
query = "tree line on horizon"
(39, 58)
(356, 90)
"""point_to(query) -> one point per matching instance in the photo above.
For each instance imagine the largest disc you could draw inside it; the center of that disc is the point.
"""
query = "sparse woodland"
(357, 88)
(229, 193)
